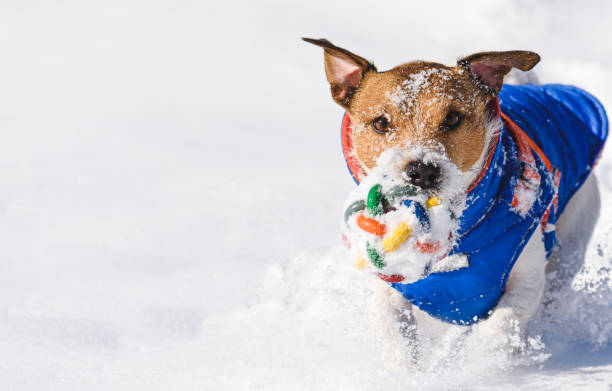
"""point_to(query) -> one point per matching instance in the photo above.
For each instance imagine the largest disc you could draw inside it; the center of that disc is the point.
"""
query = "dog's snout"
(424, 175)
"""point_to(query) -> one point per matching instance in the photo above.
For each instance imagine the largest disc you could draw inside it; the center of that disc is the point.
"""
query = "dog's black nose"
(424, 175)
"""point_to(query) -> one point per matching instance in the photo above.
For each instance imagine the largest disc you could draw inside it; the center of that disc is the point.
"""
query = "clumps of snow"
(526, 197)
(311, 324)
(405, 94)
(577, 304)
(450, 263)
(428, 242)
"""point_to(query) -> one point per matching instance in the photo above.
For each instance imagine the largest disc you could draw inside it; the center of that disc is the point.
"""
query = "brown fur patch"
(416, 97)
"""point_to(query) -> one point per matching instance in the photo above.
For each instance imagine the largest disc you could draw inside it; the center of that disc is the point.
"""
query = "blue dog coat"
(551, 137)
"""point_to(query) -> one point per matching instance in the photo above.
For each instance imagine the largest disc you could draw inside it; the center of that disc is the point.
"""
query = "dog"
(525, 153)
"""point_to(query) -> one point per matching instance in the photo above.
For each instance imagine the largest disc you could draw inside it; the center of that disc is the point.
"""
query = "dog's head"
(422, 106)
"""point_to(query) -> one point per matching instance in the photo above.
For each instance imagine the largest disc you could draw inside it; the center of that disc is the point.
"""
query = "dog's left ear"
(488, 69)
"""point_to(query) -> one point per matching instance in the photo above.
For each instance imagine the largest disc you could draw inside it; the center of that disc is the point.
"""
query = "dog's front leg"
(392, 322)
(522, 295)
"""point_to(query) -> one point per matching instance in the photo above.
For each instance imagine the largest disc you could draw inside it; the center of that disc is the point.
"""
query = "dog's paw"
(502, 320)
(502, 331)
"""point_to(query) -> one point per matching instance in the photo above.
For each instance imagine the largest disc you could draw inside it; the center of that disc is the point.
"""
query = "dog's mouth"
(423, 189)
(402, 219)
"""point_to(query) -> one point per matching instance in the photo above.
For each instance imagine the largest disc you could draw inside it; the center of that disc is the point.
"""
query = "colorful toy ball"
(388, 229)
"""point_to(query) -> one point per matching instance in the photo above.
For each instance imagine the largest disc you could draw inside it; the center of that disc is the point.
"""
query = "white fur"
(492, 126)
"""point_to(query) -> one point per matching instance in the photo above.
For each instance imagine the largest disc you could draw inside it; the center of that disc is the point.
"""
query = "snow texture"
(172, 178)
(405, 96)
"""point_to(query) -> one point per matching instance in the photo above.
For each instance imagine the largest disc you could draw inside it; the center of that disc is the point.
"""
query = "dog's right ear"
(344, 70)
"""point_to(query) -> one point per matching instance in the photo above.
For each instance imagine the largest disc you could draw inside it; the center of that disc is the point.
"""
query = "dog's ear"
(488, 69)
(344, 70)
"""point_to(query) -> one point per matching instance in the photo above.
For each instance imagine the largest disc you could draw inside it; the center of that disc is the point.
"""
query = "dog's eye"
(380, 124)
(452, 121)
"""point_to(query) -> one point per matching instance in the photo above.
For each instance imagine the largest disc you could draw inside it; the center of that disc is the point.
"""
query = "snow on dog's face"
(429, 221)
(425, 104)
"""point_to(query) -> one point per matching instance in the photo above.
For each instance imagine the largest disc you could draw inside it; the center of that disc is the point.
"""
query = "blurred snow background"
(171, 184)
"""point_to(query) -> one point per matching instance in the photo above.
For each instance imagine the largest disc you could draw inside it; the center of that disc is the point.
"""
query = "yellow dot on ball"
(361, 263)
(433, 201)
(397, 237)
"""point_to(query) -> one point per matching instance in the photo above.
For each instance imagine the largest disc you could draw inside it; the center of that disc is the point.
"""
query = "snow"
(405, 95)
(172, 180)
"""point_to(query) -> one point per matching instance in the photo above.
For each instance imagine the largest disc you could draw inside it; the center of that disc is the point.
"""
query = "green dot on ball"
(375, 197)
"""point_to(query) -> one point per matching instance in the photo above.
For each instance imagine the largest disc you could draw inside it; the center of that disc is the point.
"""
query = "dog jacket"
(551, 136)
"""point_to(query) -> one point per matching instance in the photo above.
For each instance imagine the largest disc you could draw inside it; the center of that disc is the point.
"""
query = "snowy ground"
(171, 186)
